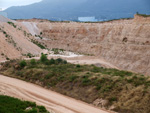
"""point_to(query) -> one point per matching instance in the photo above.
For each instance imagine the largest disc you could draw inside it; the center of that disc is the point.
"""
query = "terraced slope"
(123, 43)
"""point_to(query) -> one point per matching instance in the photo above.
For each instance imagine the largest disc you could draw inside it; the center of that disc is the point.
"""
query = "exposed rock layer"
(124, 43)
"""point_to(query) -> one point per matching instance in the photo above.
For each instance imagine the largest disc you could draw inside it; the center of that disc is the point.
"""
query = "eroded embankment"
(15, 40)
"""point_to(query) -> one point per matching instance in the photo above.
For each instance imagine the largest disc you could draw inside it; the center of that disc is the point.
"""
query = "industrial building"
(87, 19)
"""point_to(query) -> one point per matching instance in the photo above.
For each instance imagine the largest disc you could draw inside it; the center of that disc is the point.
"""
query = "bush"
(52, 61)
(85, 80)
(23, 63)
(43, 58)
(14, 105)
(65, 62)
(38, 44)
(47, 62)
(7, 58)
(49, 75)
(11, 23)
(59, 60)
(29, 55)
(32, 61)
(42, 109)
(72, 78)
(78, 66)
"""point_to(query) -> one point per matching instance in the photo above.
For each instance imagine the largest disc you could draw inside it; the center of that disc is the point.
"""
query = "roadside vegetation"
(14, 105)
(124, 91)
(144, 15)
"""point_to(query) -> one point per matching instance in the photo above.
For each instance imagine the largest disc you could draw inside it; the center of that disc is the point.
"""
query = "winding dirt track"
(51, 100)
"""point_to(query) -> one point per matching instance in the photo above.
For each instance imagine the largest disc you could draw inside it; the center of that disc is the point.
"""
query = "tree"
(43, 58)
(23, 63)
(52, 61)
(32, 61)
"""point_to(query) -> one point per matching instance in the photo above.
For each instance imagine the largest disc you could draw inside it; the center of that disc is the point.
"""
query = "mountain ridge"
(69, 10)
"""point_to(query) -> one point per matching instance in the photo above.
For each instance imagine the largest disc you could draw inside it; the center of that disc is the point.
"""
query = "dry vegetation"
(127, 92)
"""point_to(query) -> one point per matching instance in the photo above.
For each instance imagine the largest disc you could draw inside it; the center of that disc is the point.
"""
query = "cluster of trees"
(44, 60)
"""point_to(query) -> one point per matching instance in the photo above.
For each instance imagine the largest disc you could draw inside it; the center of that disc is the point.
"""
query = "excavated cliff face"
(124, 43)
(15, 41)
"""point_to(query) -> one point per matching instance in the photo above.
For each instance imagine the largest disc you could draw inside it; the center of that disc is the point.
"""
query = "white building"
(87, 19)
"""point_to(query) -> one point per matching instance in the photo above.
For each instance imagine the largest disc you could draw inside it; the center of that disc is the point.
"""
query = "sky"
(4, 4)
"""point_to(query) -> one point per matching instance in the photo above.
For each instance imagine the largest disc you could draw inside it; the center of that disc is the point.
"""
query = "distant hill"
(71, 10)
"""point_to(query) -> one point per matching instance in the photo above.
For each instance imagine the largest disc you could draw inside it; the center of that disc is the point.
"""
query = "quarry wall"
(124, 43)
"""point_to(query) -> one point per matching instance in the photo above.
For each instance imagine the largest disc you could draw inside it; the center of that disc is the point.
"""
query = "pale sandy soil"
(51, 100)
(4, 19)
(32, 28)
(90, 60)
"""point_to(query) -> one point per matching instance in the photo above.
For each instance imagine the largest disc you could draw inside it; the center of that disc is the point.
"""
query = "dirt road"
(51, 100)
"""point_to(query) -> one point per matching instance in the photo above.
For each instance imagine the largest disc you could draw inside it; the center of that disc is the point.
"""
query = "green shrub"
(47, 62)
(14, 105)
(29, 55)
(96, 69)
(11, 23)
(59, 60)
(32, 62)
(38, 44)
(72, 78)
(7, 58)
(52, 61)
(43, 58)
(41, 33)
(65, 62)
(42, 109)
(49, 75)
(78, 66)
(23, 63)
(85, 80)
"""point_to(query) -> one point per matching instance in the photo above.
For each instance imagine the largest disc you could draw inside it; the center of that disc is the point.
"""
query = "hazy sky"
(8, 3)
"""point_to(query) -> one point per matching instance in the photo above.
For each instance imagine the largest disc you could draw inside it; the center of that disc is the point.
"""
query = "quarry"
(123, 43)
(104, 64)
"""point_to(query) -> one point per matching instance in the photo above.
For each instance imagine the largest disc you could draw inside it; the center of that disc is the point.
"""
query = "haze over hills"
(71, 10)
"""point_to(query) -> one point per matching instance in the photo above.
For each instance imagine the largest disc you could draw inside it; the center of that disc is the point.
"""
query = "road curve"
(51, 100)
